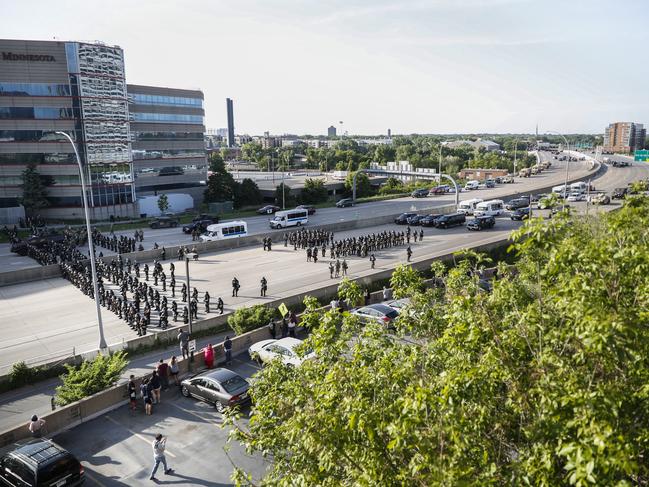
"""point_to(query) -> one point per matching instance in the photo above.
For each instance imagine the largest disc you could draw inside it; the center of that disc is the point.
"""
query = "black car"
(309, 208)
(429, 220)
(268, 210)
(40, 462)
(520, 214)
(620, 193)
(403, 218)
(220, 387)
(164, 222)
(415, 220)
(451, 220)
(481, 222)
(200, 225)
(419, 193)
(345, 202)
(204, 216)
(517, 203)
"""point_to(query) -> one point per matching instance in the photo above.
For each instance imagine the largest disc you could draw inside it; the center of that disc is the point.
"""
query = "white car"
(282, 349)
(576, 196)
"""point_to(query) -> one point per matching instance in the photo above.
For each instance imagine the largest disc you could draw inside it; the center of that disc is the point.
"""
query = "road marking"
(137, 435)
(193, 413)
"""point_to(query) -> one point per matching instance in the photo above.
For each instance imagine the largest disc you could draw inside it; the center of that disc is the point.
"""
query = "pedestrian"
(264, 286)
(331, 269)
(284, 328)
(145, 392)
(367, 297)
(174, 369)
(292, 324)
(183, 340)
(271, 328)
(409, 253)
(344, 267)
(159, 445)
(208, 356)
(387, 293)
(235, 287)
(373, 260)
(163, 374)
(206, 300)
(421, 235)
(219, 305)
(334, 304)
(227, 348)
(36, 426)
(132, 393)
(156, 385)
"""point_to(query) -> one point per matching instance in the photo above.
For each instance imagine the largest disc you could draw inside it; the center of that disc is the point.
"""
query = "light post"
(188, 293)
(515, 153)
(565, 186)
(440, 163)
(91, 247)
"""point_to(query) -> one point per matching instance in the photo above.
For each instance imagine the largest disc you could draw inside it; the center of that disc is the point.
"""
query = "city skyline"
(479, 66)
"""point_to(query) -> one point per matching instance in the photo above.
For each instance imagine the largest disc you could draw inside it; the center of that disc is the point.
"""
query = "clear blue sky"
(435, 66)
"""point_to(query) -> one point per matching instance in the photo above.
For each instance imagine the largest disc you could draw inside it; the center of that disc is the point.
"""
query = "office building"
(80, 88)
(389, 134)
(168, 144)
(624, 137)
(331, 131)
(228, 103)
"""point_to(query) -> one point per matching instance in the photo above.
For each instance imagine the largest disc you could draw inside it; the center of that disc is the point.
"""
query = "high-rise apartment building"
(331, 131)
(624, 137)
(230, 109)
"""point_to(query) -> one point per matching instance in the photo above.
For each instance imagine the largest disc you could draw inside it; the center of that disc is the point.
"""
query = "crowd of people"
(120, 244)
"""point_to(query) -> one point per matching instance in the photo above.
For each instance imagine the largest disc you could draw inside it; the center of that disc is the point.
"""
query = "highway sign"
(642, 155)
(283, 309)
(192, 345)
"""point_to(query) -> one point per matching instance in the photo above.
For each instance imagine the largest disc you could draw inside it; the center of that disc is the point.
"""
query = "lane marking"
(137, 435)
(194, 413)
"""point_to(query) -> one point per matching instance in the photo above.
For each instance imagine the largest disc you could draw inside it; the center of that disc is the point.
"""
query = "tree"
(314, 191)
(90, 377)
(247, 193)
(363, 186)
(406, 281)
(392, 186)
(250, 318)
(542, 381)
(163, 203)
(350, 291)
(221, 186)
(217, 162)
(284, 197)
(34, 189)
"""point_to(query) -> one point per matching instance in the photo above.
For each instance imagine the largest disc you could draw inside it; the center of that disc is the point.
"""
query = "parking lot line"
(137, 435)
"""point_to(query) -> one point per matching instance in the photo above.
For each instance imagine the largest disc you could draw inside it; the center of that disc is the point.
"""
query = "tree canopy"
(542, 381)
(34, 187)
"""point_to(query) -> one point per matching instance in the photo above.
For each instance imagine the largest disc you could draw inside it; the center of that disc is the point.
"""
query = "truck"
(525, 173)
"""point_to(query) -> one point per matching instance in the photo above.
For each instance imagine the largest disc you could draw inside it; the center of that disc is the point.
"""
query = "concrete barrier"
(30, 274)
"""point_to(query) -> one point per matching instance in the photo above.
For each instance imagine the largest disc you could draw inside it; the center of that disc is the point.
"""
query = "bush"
(314, 191)
(246, 319)
(21, 374)
(90, 377)
(350, 291)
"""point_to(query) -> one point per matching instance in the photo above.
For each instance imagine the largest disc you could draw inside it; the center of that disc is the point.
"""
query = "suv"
(344, 202)
(490, 183)
(199, 224)
(517, 203)
(309, 208)
(429, 220)
(450, 220)
(164, 222)
(40, 462)
(419, 193)
(620, 193)
(481, 222)
(403, 218)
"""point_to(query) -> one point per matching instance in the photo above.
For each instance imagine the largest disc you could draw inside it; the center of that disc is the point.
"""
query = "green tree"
(247, 194)
(542, 381)
(250, 318)
(363, 186)
(392, 186)
(163, 203)
(350, 291)
(221, 186)
(90, 377)
(217, 162)
(314, 191)
(406, 281)
(34, 188)
(284, 196)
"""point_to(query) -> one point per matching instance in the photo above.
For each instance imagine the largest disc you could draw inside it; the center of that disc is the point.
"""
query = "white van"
(580, 187)
(222, 231)
(473, 184)
(290, 218)
(467, 207)
(489, 208)
(559, 189)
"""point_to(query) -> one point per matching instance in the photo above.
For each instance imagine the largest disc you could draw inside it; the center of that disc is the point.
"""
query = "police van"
(468, 206)
(222, 231)
(290, 218)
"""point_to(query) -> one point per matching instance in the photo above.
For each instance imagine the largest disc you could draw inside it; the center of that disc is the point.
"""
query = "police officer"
(235, 287)
(185, 315)
(373, 260)
(264, 286)
(174, 310)
(183, 291)
(219, 305)
(409, 252)
(331, 269)
(206, 300)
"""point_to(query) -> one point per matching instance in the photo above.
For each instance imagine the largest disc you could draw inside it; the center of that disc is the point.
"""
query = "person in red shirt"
(163, 373)
(209, 356)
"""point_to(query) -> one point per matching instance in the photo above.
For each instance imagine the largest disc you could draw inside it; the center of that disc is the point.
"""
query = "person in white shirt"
(159, 445)
(36, 426)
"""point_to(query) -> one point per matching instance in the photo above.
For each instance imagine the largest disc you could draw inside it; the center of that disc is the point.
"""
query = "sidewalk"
(19, 405)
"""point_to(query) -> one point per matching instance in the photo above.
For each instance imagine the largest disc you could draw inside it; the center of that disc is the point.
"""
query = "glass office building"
(80, 88)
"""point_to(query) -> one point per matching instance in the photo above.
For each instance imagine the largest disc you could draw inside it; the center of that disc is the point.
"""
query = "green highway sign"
(641, 155)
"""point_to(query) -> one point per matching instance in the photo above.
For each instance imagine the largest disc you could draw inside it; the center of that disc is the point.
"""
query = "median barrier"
(29, 274)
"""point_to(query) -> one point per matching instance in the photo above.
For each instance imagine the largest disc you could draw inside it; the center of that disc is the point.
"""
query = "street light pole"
(440, 163)
(91, 247)
(515, 153)
(565, 186)
(188, 293)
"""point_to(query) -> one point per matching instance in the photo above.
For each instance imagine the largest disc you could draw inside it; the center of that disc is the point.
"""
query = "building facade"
(624, 137)
(230, 109)
(168, 141)
(80, 88)
(331, 131)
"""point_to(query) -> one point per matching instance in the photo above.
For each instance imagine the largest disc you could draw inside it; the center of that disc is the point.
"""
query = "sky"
(432, 66)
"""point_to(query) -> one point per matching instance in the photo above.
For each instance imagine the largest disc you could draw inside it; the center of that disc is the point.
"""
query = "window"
(166, 117)
(18, 473)
(32, 136)
(37, 158)
(33, 89)
(170, 136)
(142, 99)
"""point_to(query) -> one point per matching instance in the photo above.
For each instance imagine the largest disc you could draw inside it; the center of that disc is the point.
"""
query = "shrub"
(20, 374)
(90, 377)
(246, 319)
(351, 292)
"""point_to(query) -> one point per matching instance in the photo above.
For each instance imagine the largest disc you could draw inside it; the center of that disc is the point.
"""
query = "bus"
(489, 208)
(222, 231)
(290, 218)
(468, 206)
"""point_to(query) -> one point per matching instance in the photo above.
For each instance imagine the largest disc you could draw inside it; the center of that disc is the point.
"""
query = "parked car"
(163, 222)
(379, 313)
(419, 193)
(520, 214)
(200, 225)
(415, 220)
(403, 218)
(282, 349)
(343, 203)
(620, 193)
(600, 199)
(452, 219)
(429, 220)
(517, 203)
(268, 209)
(480, 223)
(40, 462)
(490, 183)
(220, 387)
(309, 208)
(398, 304)
(499, 180)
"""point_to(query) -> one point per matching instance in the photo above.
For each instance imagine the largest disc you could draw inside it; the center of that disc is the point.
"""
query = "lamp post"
(91, 247)
(440, 163)
(515, 153)
(565, 186)
(188, 292)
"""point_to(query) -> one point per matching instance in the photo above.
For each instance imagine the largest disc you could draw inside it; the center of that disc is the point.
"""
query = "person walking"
(264, 286)
(159, 446)
(292, 324)
(206, 300)
(344, 267)
(272, 329)
(235, 287)
(163, 374)
(227, 348)
(331, 269)
(36, 426)
(174, 369)
(132, 393)
(208, 356)
(387, 293)
(183, 340)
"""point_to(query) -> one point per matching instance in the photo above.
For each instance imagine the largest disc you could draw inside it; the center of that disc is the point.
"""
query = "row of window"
(37, 158)
(166, 154)
(170, 136)
(60, 180)
(166, 117)
(32, 136)
(33, 89)
(165, 100)
(19, 113)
